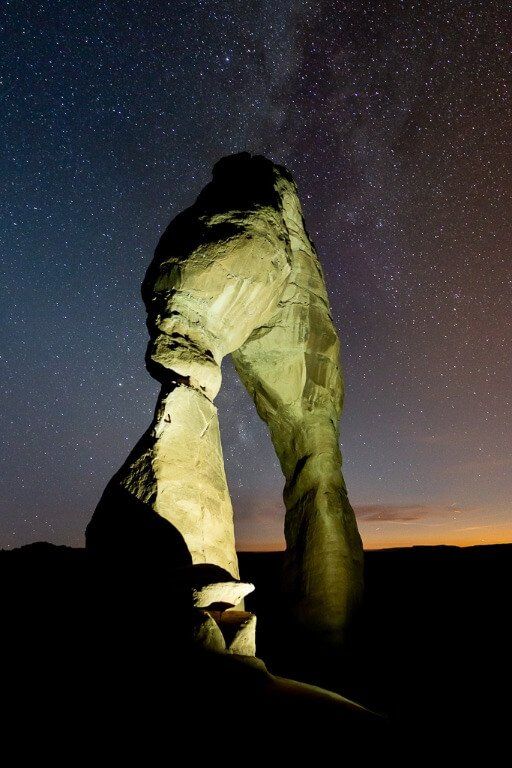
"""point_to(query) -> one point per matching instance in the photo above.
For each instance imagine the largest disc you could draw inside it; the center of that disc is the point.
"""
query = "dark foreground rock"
(104, 663)
(93, 658)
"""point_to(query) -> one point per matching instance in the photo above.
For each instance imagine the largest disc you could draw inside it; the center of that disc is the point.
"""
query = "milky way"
(395, 119)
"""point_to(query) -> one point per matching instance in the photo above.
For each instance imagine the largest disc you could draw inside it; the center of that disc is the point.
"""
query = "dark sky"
(395, 119)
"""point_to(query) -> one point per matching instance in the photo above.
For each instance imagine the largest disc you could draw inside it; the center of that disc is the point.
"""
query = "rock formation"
(236, 273)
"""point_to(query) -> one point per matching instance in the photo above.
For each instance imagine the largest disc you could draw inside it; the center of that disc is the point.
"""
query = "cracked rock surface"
(236, 273)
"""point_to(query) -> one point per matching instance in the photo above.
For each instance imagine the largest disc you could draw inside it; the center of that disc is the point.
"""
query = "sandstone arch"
(236, 273)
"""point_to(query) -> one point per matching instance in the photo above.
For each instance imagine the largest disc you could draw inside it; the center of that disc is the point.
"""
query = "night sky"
(395, 119)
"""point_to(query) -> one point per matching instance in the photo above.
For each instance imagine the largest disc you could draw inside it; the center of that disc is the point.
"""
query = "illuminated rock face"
(237, 274)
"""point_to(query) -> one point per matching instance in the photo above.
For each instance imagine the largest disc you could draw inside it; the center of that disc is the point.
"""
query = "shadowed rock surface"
(236, 273)
(102, 662)
(107, 666)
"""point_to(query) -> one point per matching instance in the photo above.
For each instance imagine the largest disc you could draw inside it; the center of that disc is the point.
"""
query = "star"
(395, 123)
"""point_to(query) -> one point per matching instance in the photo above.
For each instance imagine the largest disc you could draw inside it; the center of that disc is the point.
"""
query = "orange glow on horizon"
(472, 538)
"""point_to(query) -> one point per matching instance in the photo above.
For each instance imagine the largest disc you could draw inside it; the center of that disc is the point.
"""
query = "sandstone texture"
(238, 629)
(224, 593)
(236, 273)
(229, 631)
(207, 634)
